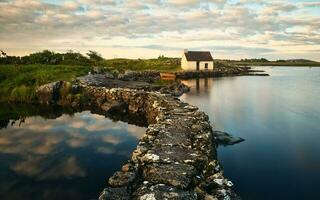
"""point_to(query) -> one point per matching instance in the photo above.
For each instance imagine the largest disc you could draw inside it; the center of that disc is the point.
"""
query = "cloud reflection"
(67, 147)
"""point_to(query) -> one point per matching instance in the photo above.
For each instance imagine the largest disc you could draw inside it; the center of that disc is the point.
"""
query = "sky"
(230, 29)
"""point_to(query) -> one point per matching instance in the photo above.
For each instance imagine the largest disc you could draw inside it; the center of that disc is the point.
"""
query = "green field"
(159, 64)
(19, 82)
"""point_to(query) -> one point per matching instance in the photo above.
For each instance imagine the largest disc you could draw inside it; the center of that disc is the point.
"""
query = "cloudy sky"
(147, 28)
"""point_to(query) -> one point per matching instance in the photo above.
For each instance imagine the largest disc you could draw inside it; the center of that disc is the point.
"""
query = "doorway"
(198, 65)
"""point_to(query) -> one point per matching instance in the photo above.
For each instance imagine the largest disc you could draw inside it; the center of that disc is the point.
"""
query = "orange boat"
(167, 76)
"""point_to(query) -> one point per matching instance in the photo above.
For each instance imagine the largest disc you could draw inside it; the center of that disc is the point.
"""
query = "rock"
(145, 76)
(161, 191)
(175, 159)
(176, 175)
(51, 93)
(121, 178)
(118, 107)
(175, 89)
(109, 75)
(210, 197)
(227, 139)
(119, 193)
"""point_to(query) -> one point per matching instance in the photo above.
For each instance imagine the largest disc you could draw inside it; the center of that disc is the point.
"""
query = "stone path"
(176, 157)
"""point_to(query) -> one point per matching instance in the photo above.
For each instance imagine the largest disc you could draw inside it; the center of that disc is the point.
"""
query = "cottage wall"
(192, 65)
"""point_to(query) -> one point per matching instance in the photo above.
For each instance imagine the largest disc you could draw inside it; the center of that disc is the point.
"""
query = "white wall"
(192, 65)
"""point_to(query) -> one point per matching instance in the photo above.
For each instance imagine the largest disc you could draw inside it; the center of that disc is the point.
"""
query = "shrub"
(22, 94)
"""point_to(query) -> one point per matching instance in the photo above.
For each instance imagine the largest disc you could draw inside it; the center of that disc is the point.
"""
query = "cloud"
(310, 4)
(49, 149)
(172, 23)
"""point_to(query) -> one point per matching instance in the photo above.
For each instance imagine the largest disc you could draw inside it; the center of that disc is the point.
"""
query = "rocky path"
(175, 159)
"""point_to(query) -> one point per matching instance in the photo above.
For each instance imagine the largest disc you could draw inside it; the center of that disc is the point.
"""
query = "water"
(279, 116)
(60, 156)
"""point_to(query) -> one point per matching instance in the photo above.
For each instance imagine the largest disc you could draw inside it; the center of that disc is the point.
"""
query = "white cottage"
(197, 60)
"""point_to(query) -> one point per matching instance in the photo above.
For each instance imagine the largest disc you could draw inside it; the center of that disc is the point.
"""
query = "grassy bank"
(19, 82)
(159, 64)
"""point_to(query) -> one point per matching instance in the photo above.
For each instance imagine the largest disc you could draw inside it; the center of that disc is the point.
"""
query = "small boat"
(167, 76)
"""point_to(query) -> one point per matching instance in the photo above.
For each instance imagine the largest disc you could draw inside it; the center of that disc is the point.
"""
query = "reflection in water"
(69, 157)
(200, 86)
(279, 118)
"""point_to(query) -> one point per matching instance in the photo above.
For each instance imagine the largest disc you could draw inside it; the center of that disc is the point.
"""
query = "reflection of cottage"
(197, 60)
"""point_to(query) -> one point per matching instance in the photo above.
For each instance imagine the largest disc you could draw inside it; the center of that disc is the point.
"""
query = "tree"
(3, 54)
(94, 56)
(45, 57)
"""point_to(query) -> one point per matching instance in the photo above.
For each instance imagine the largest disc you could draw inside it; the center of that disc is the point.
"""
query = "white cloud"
(175, 23)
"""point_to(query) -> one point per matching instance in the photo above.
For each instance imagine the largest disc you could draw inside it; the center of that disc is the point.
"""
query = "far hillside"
(265, 62)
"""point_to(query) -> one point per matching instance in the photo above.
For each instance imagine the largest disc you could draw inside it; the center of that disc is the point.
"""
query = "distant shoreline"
(282, 66)
(277, 64)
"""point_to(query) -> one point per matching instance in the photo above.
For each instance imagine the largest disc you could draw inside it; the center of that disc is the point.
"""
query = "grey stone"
(224, 138)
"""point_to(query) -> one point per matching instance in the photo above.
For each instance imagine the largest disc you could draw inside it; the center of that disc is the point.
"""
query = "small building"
(197, 60)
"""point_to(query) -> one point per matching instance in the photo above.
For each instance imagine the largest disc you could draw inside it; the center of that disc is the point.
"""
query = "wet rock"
(224, 138)
(121, 178)
(119, 193)
(118, 107)
(175, 89)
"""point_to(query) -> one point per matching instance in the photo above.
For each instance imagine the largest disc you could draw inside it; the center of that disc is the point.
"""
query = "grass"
(161, 64)
(19, 82)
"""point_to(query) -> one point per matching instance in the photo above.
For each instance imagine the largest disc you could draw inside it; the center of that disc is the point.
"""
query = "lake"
(56, 155)
(279, 118)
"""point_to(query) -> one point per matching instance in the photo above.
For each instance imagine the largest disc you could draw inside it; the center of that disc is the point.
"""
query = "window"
(206, 66)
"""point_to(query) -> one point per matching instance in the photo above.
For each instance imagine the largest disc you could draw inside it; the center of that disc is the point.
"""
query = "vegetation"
(20, 76)
(19, 82)
(9, 113)
(48, 57)
(265, 62)
(160, 64)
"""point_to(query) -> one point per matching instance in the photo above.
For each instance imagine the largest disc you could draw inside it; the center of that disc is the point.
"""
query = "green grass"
(19, 82)
(122, 64)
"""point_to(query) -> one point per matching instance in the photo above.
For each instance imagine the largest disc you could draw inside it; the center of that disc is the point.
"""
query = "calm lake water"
(69, 156)
(279, 116)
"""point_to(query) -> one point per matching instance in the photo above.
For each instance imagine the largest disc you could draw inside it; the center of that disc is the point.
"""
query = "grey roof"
(198, 56)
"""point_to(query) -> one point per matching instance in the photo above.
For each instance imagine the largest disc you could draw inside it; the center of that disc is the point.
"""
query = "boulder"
(224, 138)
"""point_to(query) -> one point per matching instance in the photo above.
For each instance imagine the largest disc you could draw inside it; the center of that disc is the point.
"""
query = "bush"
(22, 94)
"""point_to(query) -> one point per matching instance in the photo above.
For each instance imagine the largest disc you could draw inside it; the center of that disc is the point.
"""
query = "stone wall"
(220, 71)
(175, 159)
